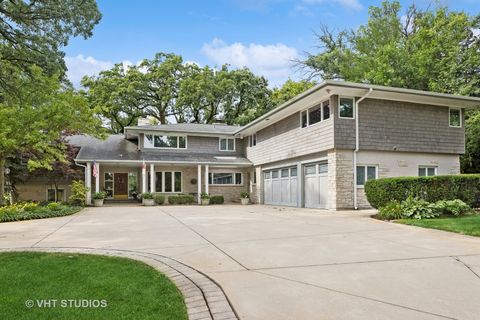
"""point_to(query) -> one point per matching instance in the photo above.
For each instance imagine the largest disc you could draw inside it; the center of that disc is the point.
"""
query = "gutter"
(357, 147)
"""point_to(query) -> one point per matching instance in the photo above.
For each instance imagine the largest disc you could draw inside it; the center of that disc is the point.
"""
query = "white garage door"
(316, 185)
(280, 186)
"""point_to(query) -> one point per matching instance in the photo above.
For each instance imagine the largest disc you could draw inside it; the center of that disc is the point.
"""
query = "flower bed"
(32, 210)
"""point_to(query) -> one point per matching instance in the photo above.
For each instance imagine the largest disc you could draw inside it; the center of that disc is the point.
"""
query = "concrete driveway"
(288, 263)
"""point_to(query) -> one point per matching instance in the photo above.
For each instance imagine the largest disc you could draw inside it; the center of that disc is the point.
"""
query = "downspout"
(357, 147)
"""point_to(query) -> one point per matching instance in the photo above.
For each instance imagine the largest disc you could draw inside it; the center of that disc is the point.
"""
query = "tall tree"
(289, 90)
(435, 50)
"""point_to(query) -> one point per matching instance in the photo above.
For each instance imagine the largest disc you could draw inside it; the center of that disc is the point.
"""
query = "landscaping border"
(204, 298)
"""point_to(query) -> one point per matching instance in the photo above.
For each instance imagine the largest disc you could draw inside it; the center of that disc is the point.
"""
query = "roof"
(197, 128)
(117, 149)
(327, 88)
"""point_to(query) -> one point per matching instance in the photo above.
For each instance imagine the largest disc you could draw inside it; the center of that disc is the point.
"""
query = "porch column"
(152, 178)
(97, 178)
(206, 178)
(199, 183)
(144, 178)
(88, 183)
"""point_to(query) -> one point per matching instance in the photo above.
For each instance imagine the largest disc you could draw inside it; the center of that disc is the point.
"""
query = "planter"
(205, 202)
(98, 202)
(148, 202)
(245, 201)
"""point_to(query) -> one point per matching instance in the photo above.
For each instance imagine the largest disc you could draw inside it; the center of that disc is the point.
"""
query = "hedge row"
(181, 199)
(217, 200)
(465, 187)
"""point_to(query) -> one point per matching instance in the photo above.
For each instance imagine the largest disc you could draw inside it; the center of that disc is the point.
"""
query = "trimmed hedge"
(217, 200)
(465, 187)
(159, 199)
(181, 199)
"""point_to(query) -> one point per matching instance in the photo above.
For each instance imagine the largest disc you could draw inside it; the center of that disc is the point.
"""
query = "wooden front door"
(120, 186)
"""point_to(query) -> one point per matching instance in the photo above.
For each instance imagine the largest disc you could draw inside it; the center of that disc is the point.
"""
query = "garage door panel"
(280, 187)
(316, 185)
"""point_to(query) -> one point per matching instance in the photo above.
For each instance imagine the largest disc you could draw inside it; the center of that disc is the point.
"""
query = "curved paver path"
(205, 299)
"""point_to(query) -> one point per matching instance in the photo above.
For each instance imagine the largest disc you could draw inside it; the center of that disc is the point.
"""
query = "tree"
(433, 50)
(289, 90)
(33, 32)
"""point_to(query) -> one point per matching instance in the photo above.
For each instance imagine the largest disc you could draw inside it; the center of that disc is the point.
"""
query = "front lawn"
(84, 287)
(32, 210)
(468, 225)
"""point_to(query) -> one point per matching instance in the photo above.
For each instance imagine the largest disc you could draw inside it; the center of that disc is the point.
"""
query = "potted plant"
(98, 198)
(245, 197)
(205, 198)
(147, 199)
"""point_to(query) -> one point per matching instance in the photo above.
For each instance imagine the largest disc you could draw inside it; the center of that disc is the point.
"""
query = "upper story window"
(170, 142)
(427, 171)
(346, 107)
(365, 173)
(252, 140)
(226, 144)
(315, 114)
(455, 117)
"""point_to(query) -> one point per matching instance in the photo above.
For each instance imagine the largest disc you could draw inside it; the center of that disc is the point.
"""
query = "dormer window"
(226, 144)
(253, 140)
(165, 142)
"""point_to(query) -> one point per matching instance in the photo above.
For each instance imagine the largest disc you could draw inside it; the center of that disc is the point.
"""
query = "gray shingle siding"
(402, 126)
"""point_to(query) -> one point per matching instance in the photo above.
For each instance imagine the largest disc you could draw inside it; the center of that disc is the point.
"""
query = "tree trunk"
(2, 180)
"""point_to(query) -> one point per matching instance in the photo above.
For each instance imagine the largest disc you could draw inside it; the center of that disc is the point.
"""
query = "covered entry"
(280, 186)
(316, 185)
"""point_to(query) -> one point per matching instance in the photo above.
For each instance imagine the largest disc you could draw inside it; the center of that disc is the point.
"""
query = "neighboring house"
(316, 150)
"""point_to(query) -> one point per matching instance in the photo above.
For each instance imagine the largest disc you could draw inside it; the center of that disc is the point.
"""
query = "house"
(316, 150)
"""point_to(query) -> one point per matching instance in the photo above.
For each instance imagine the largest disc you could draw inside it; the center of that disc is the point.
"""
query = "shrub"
(181, 199)
(159, 199)
(244, 195)
(465, 187)
(419, 209)
(204, 195)
(217, 200)
(391, 211)
(31, 210)
(99, 195)
(454, 207)
(147, 195)
(78, 193)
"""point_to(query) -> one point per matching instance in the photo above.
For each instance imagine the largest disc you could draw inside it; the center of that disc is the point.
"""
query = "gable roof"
(189, 128)
(325, 89)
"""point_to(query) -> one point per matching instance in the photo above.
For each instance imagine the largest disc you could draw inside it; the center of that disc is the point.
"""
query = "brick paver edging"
(204, 298)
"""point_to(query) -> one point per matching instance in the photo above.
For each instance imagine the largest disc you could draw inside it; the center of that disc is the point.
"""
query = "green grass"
(468, 225)
(132, 290)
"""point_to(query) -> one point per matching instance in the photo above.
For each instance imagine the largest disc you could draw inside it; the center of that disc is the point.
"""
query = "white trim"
(426, 167)
(294, 163)
(322, 116)
(449, 122)
(199, 183)
(216, 164)
(226, 144)
(361, 186)
(234, 176)
(173, 181)
(353, 105)
(152, 145)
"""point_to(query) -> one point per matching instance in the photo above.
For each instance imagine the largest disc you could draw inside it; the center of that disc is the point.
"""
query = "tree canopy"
(434, 50)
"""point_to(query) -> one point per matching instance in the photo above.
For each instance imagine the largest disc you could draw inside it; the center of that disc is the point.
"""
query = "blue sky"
(264, 35)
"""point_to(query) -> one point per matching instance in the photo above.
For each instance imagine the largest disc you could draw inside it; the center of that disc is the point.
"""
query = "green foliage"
(147, 195)
(159, 199)
(470, 161)
(465, 187)
(392, 211)
(204, 195)
(418, 209)
(99, 195)
(289, 90)
(181, 199)
(217, 199)
(244, 195)
(78, 194)
(453, 207)
(31, 210)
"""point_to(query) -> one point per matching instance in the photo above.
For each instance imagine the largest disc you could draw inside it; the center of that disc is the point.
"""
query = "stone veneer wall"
(343, 175)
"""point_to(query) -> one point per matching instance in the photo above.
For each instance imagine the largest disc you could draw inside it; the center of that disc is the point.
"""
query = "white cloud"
(350, 4)
(273, 61)
(81, 66)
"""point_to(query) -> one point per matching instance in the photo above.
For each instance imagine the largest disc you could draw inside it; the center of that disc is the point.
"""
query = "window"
(253, 140)
(314, 115)
(227, 144)
(311, 169)
(365, 173)
(285, 173)
(254, 178)
(425, 171)
(275, 174)
(132, 184)
(178, 182)
(323, 168)
(346, 107)
(266, 175)
(455, 118)
(293, 172)
(168, 181)
(304, 119)
(225, 178)
(108, 184)
(157, 141)
(55, 195)
(326, 110)
(159, 181)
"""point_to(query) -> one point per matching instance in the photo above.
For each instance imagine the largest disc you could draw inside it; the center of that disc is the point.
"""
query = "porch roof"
(117, 149)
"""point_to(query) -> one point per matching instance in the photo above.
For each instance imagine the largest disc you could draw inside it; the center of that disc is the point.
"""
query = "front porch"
(125, 181)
